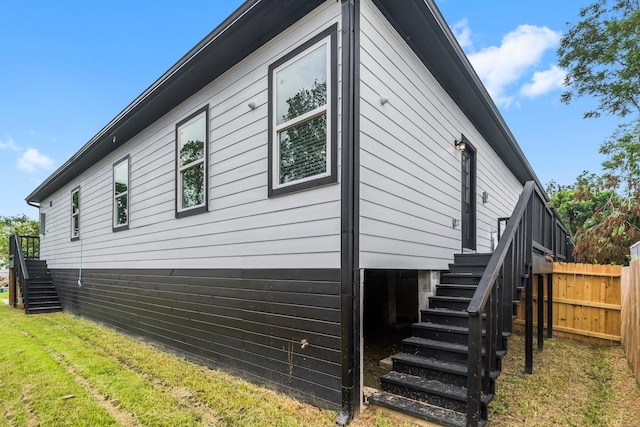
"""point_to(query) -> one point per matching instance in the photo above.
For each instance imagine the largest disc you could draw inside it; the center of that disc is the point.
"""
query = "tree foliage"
(602, 223)
(601, 54)
(20, 224)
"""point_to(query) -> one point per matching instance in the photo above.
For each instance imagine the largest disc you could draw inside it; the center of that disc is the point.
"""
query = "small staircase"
(42, 297)
(429, 378)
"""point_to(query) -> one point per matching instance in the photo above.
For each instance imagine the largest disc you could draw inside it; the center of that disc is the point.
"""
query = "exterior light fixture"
(461, 144)
(485, 197)
(252, 105)
(383, 100)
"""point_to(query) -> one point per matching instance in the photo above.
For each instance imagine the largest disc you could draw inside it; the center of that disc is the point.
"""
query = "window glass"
(192, 137)
(192, 145)
(121, 193)
(193, 186)
(301, 86)
(75, 214)
(303, 150)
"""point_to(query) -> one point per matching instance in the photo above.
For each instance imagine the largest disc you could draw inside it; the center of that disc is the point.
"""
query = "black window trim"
(74, 238)
(332, 177)
(181, 213)
(115, 227)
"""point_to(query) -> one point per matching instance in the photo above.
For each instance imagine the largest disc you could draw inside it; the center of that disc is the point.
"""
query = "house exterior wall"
(243, 228)
(239, 286)
(409, 168)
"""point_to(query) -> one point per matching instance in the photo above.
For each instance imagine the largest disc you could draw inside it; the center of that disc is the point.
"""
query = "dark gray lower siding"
(247, 322)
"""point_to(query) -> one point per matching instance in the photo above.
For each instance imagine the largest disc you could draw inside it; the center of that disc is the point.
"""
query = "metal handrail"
(532, 227)
(22, 273)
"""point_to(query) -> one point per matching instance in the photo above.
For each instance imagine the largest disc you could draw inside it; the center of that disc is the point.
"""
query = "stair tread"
(432, 386)
(419, 410)
(450, 298)
(441, 327)
(436, 364)
(442, 345)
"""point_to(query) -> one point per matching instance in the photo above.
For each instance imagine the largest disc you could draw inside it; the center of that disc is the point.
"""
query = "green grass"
(58, 370)
(573, 384)
(63, 370)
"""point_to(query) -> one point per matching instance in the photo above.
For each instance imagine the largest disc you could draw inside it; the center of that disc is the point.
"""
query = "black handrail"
(20, 267)
(30, 247)
(532, 228)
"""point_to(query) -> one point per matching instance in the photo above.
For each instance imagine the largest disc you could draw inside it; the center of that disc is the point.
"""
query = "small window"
(43, 223)
(75, 214)
(302, 116)
(121, 195)
(191, 164)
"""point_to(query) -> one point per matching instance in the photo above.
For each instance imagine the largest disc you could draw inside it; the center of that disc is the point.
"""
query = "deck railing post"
(474, 380)
(550, 305)
(540, 306)
(528, 255)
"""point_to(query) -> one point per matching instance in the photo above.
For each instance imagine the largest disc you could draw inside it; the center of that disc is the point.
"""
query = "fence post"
(540, 328)
(550, 305)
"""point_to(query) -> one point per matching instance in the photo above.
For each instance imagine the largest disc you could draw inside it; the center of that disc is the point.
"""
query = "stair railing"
(20, 272)
(532, 227)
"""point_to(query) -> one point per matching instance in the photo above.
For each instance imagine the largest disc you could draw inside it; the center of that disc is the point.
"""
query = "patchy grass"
(61, 370)
(573, 384)
(66, 371)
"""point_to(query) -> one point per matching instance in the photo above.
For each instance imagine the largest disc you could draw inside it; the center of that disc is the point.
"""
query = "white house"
(236, 208)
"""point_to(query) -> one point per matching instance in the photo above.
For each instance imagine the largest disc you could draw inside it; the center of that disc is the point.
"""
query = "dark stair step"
(42, 310)
(432, 392)
(445, 317)
(449, 303)
(420, 410)
(444, 351)
(448, 333)
(467, 268)
(466, 291)
(460, 278)
(472, 259)
(439, 370)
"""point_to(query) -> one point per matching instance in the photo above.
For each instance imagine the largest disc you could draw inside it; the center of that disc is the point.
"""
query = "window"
(43, 223)
(121, 195)
(191, 163)
(75, 214)
(303, 116)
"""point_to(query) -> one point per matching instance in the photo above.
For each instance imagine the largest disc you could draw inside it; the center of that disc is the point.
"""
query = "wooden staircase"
(42, 295)
(429, 378)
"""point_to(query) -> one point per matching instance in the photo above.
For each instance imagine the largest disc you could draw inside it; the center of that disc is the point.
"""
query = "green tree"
(20, 224)
(601, 54)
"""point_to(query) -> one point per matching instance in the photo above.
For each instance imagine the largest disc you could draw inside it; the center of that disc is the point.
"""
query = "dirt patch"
(380, 344)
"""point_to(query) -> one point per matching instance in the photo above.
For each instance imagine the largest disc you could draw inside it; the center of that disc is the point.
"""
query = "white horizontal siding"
(243, 228)
(409, 168)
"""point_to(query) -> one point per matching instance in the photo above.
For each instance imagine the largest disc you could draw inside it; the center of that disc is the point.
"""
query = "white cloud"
(32, 161)
(544, 82)
(9, 145)
(520, 51)
(462, 31)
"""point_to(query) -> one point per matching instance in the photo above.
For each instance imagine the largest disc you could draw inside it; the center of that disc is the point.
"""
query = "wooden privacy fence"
(631, 314)
(586, 302)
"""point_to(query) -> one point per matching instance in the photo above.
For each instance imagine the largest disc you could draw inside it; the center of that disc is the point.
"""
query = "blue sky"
(68, 67)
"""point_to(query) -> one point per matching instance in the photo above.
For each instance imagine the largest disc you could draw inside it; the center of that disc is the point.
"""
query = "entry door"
(468, 198)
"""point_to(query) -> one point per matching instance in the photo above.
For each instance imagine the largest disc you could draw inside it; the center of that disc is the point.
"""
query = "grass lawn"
(60, 370)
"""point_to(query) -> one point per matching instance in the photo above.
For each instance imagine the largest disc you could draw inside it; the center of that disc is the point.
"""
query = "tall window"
(191, 163)
(75, 214)
(121, 195)
(302, 116)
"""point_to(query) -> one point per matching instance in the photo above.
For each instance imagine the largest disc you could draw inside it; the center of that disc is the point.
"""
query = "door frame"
(470, 225)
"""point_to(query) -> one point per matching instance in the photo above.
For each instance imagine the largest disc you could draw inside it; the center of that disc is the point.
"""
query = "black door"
(468, 198)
